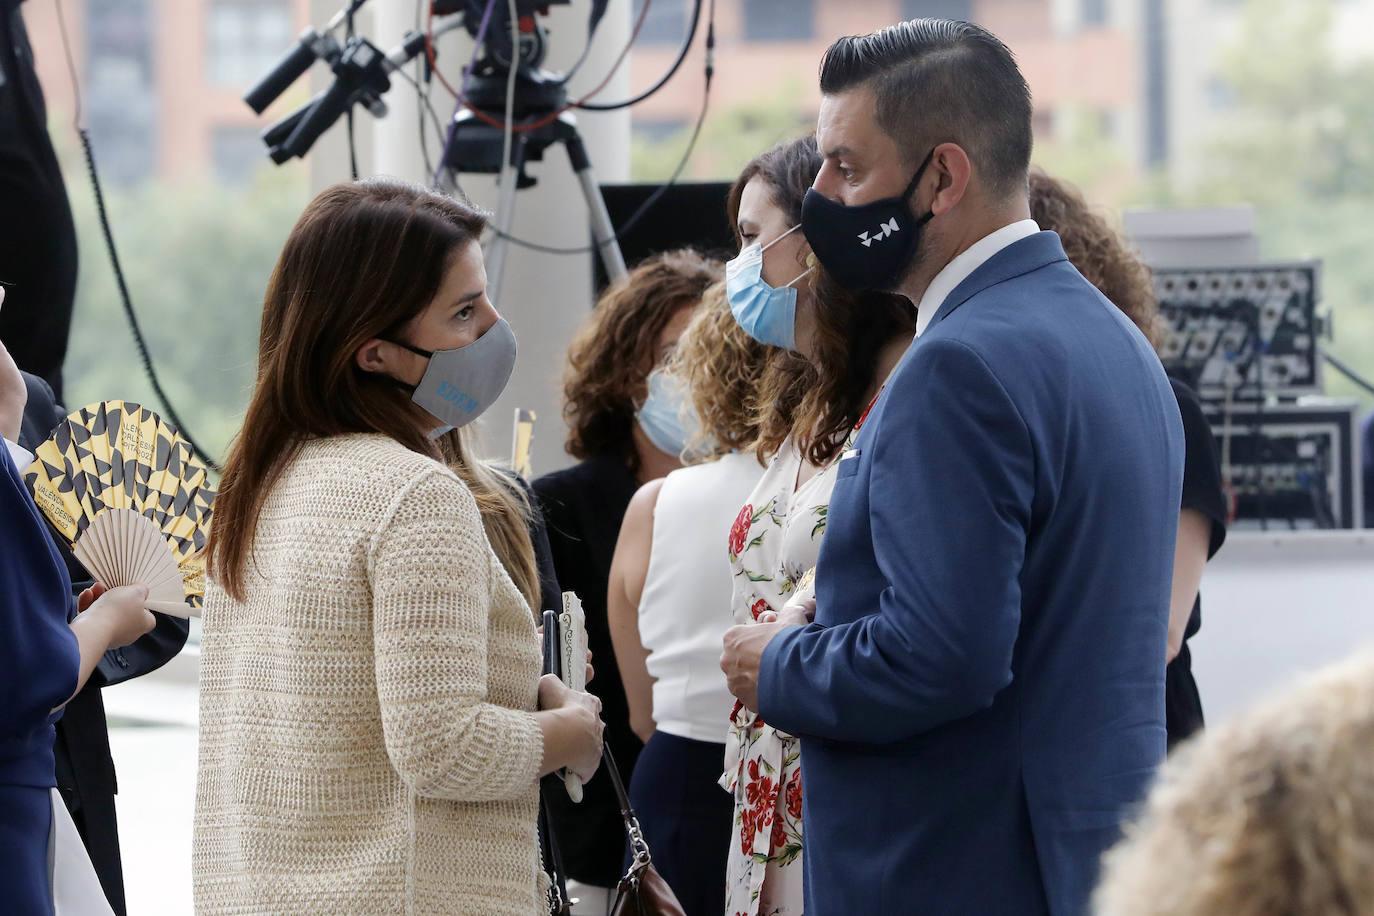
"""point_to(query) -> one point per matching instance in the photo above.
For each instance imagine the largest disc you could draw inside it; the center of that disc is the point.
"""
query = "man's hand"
(744, 647)
(13, 394)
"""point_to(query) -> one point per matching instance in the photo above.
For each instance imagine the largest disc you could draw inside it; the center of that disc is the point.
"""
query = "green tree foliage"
(196, 257)
(1298, 143)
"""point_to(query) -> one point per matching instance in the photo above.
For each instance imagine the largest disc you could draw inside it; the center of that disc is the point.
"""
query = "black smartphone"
(553, 663)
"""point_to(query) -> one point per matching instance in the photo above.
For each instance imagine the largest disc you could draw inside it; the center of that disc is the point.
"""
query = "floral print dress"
(774, 546)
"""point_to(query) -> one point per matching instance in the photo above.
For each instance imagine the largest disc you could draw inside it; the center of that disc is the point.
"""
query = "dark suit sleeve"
(151, 651)
(950, 497)
(41, 413)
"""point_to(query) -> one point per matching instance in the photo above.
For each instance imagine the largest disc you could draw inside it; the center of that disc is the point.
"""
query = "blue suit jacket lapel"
(1018, 258)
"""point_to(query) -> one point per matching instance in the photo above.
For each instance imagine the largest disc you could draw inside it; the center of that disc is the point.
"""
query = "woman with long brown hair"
(372, 720)
(624, 429)
(836, 350)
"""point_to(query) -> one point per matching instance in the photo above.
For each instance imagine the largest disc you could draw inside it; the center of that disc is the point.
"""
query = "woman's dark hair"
(363, 260)
(816, 401)
(1097, 250)
(612, 354)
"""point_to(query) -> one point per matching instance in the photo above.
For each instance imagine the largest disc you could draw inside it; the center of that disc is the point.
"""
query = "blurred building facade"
(162, 80)
(1084, 59)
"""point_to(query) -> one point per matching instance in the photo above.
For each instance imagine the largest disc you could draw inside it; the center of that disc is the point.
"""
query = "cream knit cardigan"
(367, 743)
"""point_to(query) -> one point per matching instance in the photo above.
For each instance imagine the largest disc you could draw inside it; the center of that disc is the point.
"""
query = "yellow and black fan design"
(131, 498)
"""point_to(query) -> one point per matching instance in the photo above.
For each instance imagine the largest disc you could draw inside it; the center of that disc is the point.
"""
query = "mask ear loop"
(801, 275)
(810, 258)
(780, 238)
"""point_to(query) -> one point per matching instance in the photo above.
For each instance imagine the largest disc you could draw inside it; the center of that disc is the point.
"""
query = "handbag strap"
(548, 849)
(639, 849)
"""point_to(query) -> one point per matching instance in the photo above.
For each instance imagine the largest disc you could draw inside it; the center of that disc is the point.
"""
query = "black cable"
(657, 195)
(633, 219)
(663, 81)
(1348, 372)
(352, 143)
(129, 308)
(139, 342)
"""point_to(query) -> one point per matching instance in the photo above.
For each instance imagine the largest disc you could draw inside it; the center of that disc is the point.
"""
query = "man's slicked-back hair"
(941, 81)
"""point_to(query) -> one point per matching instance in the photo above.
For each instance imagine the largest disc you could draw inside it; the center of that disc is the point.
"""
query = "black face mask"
(866, 246)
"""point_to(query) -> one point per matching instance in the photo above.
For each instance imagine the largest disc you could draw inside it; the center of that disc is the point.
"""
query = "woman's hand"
(119, 611)
(573, 737)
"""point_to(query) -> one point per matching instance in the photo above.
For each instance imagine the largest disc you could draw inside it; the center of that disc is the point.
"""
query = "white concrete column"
(395, 139)
(328, 158)
(546, 297)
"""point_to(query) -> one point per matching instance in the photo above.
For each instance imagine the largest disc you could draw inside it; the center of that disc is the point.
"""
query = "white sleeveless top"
(684, 609)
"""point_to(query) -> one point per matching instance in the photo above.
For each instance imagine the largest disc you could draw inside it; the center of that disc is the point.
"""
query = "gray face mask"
(461, 384)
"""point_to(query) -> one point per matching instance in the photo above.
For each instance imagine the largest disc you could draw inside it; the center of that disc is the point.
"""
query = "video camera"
(362, 70)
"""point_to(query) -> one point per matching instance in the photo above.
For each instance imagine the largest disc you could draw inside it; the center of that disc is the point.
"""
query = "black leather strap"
(548, 845)
(608, 764)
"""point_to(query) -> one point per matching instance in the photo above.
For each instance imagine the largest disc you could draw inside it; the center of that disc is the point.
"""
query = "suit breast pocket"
(847, 467)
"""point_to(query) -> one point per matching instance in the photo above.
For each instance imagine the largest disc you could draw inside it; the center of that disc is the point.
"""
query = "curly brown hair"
(1270, 814)
(1097, 250)
(816, 401)
(612, 354)
(722, 366)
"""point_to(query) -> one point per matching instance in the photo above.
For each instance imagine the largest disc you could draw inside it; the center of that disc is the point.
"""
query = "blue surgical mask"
(768, 314)
(668, 419)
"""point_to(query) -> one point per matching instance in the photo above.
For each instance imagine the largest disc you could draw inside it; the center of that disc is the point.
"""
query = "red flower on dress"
(746, 832)
(794, 794)
(739, 532)
(753, 787)
(779, 835)
(758, 608)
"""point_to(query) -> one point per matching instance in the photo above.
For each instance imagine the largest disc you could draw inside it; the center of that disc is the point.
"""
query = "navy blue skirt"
(686, 817)
(24, 830)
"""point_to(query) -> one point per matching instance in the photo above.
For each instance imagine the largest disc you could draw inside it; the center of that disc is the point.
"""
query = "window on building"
(666, 22)
(1093, 13)
(236, 153)
(779, 20)
(245, 38)
(938, 9)
(121, 99)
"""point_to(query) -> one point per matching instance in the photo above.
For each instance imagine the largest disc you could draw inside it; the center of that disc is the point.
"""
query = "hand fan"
(131, 498)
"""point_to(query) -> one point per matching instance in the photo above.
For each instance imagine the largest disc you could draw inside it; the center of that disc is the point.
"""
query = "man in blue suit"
(981, 694)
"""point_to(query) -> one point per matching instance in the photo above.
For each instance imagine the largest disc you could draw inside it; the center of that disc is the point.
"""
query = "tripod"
(475, 146)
